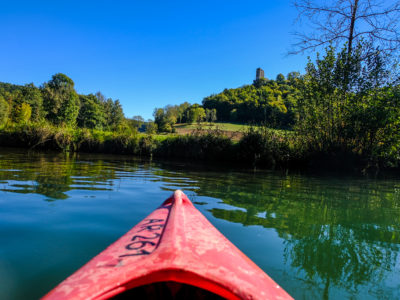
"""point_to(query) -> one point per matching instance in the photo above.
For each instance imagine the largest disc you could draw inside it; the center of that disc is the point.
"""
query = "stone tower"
(259, 73)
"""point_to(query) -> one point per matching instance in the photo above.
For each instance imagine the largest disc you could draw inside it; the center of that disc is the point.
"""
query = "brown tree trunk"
(354, 8)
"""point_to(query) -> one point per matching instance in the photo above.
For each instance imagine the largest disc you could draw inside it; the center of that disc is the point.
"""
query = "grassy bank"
(222, 126)
(258, 147)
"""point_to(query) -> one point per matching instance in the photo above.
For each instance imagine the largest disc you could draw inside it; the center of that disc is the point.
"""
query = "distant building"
(259, 73)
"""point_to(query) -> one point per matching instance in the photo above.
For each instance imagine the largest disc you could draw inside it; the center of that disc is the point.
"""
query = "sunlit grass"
(221, 126)
(232, 127)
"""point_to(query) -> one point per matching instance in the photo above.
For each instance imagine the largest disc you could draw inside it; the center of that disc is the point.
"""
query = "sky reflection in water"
(318, 236)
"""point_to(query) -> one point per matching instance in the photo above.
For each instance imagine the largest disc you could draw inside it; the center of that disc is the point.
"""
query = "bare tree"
(339, 21)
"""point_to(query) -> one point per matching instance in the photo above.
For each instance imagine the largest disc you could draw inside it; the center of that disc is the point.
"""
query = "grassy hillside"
(222, 126)
(231, 130)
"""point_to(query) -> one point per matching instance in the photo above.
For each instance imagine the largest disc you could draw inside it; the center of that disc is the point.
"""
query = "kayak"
(174, 253)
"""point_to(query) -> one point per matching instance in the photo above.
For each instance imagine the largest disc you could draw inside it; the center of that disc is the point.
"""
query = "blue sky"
(147, 54)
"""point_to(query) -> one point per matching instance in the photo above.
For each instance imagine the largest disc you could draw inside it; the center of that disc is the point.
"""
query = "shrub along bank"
(259, 147)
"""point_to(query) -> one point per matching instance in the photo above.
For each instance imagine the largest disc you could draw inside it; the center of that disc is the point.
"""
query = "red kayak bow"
(173, 253)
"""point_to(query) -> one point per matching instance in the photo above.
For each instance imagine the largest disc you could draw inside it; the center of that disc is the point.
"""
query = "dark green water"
(319, 237)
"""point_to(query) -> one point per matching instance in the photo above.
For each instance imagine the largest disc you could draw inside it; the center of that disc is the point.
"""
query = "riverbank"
(258, 147)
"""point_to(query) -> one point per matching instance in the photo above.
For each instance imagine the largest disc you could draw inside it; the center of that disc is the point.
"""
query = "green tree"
(182, 110)
(196, 113)
(137, 122)
(117, 114)
(91, 114)
(171, 114)
(60, 100)
(280, 78)
(349, 103)
(271, 103)
(113, 112)
(292, 76)
(161, 120)
(211, 115)
(107, 109)
(151, 127)
(167, 117)
(22, 113)
(4, 111)
(33, 96)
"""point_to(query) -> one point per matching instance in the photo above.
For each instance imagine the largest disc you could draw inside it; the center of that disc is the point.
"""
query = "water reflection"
(53, 175)
(337, 232)
(343, 233)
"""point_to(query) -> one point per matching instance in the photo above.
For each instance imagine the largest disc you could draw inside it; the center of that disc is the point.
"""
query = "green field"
(221, 126)
(227, 127)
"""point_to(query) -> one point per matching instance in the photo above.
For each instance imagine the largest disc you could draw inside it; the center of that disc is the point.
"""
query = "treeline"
(265, 148)
(344, 111)
(269, 102)
(58, 103)
(350, 104)
(165, 118)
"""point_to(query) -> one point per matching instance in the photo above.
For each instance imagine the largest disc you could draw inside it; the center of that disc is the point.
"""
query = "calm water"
(319, 237)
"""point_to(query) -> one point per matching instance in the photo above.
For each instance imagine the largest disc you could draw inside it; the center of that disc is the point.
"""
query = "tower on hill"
(259, 73)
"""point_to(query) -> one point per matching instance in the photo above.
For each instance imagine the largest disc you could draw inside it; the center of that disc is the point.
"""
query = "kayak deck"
(174, 250)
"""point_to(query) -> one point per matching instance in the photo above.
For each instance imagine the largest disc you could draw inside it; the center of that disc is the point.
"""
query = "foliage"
(28, 95)
(136, 122)
(212, 146)
(112, 111)
(163, 120)
(33, 96)
(58, 102)
(117, 115)
(166, 117)
(91, 114)
(61, 101)
(22, 113)
(349, 104)
(196, 113)
(151, 128)
(211, 115)
(262, 146)
(346, 107)
(4, 111)
(266, 101)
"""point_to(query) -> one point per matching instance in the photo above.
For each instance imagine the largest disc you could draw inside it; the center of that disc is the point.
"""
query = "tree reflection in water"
(337, 233)
(341, 232)
(53, 175)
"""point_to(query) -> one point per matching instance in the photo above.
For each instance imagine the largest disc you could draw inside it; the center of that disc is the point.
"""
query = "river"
(319, 236)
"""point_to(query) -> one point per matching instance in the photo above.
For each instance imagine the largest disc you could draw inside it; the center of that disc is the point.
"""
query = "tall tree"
(182, 110)
(32, 96)
(196, 113)
(211, 115)
(349, 21)
(91, 114)
(117, 114)
(113, 113)
(164, 118)
(61, 101)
